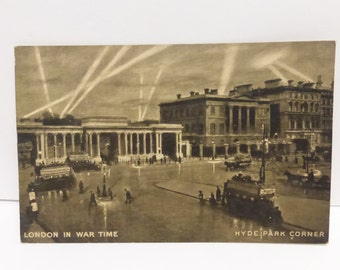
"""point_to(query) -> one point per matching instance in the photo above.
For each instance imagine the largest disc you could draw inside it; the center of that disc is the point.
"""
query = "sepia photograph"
(176, 143)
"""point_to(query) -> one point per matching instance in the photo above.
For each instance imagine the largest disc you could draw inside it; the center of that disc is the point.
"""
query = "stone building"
(296, 117)
(217, 122)
(300, 113)
(114, 138)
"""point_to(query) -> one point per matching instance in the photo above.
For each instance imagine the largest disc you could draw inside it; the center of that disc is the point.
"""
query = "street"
(165, 207)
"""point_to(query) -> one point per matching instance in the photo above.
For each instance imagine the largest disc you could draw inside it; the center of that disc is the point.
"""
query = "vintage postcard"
(175, 143)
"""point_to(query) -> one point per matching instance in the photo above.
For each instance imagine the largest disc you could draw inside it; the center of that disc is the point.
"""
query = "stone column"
(131, 143)
(151, 144)
(201, 150)
(55, 145)
(86, 143)
(160, 144)
(248, 148)
(91, 148)
(176, 145)
(38, 146)
(64, 144)
(137, 144)
(180, 144)
(239, 119)
(72, 142)
(46, 145)
(119, 146)
(144, 143)
(98, 144)
(157, 143)
(238, 147)
(126, 143)
(248, 120)
(226, 148)
(42, 145)
(258, 145)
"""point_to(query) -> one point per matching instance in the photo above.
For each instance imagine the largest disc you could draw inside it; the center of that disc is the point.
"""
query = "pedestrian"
(296, 160)
(128, 196)
(92, 199)
(81, 187)
(164, 160)
(286, 158)
(212, 199)
(218, 194)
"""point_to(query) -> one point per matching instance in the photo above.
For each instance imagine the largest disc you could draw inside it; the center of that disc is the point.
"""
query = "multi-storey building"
(217, 120)
(296, 116)
(300, 113)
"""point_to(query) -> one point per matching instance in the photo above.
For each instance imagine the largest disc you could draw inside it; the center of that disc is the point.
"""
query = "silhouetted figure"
(296, 160)
(286, 158)
(98, 191)
(218, 194)
(128, 196)
(92, 199)
(81, 187)
(212, 199)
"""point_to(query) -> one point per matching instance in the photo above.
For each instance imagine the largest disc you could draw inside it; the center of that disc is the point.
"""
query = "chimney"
(290, 82)
(197, 93)
(273, 83)
(206, 90)
(300, 84)
(178, 96)
(213, 91)
(192, 93)
(319, 83)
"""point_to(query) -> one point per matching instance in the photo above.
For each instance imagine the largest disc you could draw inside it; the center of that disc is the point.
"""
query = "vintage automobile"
(238, 161)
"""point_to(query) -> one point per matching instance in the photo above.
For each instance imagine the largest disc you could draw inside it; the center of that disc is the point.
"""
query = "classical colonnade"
(240, 118)
(125, 143)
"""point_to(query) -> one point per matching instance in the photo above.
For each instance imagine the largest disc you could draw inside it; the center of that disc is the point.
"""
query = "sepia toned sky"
(165, 72)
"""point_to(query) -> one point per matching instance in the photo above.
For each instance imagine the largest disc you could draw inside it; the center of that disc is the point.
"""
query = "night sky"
(180, 69)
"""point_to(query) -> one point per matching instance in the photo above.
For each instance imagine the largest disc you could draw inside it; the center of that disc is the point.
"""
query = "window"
(222, 131)
(212, 129)
(212, 110)
(222, 111)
